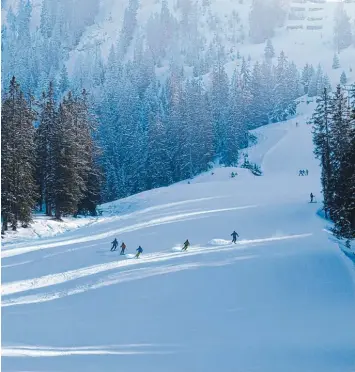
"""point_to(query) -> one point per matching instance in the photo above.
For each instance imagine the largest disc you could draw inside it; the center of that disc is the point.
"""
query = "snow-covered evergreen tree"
(269, 51)
(18, 189)
(44, 149)
(158, 167)
(342, 29)
(64, 81)
(343, 78)
(336, 62)
(333, 135)
(322, 151)
(219, 97)
(129, 26)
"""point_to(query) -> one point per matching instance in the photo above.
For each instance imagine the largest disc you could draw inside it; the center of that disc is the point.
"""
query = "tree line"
(155, 131)
(138, 132)
(48, 156)
(334, 141)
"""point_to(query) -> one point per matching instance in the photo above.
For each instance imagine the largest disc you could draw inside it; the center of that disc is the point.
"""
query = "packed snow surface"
(281, 299)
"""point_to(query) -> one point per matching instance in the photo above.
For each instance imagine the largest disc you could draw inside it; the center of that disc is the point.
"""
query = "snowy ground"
(281, 299)
(44, 227)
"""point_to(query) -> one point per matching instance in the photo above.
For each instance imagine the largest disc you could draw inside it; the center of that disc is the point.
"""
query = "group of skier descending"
(140, 249)
(303, 172)
(123, 248)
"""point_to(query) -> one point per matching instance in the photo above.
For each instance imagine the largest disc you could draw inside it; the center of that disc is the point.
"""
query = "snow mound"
(45, 227)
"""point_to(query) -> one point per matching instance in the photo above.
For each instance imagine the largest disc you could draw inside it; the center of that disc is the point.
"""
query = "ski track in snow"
(43, 351)
(114, 207)
(155, 222)
(59, 278)
(122, 277)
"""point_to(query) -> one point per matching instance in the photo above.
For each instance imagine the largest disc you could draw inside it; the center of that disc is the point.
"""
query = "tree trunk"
(48, 209)
(4, 224)
(57, 213)
(14, 225)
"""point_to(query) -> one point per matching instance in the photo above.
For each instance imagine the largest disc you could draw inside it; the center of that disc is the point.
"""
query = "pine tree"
(336, 63)
(339, 127)
(47, 18)
(269, 51)
(259, 91)
(63, 81)
(322, 150)
(342, 29)
(344, 200)
(18, 189)
(128, 27)
(313, 86)
(333, 136)
(66, 189)
(219, 96)
(286, 89)
(268, 87)
(234, 124)
(44, 150)
(342, 150)
(325, 84)
(343, 78)
(88, 157)
(70, 158)
(316, 83)
(157, 160)
(307, 75)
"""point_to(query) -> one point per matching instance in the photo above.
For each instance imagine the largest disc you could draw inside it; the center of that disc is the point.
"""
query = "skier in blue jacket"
(114, 245)
(234, 235)
(139, 251)
(186, 245)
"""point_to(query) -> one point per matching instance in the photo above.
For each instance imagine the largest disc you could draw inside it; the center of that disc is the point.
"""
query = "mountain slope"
(281, 299)
(228, 22)
(306, 34)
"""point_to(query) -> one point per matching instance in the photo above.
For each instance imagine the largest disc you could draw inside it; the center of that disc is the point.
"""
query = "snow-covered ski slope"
(281, 299)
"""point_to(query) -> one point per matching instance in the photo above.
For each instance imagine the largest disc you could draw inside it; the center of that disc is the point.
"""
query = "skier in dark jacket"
(114, 245)
(312, 197)
(123, 248)
(139, 251)
(186, 245)
(234, 235)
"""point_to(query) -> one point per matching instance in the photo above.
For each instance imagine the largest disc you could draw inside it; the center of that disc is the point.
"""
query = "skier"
(139, 251)
(234, 235)
(300, 173)
(114, 245)
(306, 172)
(312, 197)
(123, 248)
(186, 245)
